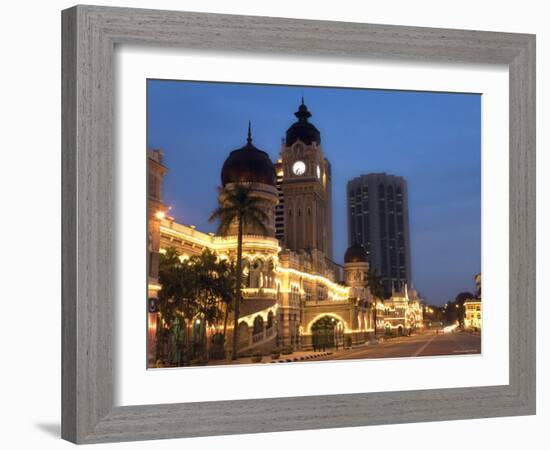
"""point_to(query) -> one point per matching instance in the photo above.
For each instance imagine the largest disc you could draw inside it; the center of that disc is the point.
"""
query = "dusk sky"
(431, 139)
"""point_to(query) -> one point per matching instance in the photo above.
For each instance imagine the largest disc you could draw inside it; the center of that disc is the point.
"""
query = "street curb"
(301, 358)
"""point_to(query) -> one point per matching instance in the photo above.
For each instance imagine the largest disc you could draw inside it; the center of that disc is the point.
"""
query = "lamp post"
(152, 324)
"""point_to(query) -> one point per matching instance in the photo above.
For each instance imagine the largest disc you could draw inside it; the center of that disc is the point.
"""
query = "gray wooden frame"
(89, 37)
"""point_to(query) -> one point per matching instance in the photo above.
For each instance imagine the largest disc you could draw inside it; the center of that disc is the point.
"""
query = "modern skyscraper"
(378, 219)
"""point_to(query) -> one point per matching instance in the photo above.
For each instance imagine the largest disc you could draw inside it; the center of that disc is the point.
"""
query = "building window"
(258, 324)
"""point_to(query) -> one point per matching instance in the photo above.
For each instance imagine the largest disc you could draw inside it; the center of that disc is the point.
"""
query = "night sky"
(431, 139)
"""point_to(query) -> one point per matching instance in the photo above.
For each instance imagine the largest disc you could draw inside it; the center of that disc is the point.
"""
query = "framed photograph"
(278, 224)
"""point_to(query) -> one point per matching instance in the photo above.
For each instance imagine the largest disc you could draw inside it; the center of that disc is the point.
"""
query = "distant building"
(472, 315)
(378, 220)
(401, 314)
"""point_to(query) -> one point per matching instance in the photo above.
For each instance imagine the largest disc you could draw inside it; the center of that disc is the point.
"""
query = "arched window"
(269, 269)
(246, 273)
(255, 273)
(258, 324)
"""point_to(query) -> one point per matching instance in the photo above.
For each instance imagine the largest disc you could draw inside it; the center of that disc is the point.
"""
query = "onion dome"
(302, 129)
(248, 164)
(354, 254)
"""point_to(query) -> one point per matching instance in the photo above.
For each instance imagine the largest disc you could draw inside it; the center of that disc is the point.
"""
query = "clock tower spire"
(306, 187)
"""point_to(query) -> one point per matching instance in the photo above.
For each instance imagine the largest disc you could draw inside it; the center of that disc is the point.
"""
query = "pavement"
(302, 356)
(293, 357)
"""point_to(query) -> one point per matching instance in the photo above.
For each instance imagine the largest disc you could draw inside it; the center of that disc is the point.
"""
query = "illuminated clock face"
(318, 170)
(299, 168)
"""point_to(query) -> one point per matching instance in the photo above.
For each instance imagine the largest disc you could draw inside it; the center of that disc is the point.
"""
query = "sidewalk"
(294, 357)
(300, 356)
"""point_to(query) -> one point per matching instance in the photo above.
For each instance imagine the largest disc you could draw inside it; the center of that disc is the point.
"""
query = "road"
(425, 344)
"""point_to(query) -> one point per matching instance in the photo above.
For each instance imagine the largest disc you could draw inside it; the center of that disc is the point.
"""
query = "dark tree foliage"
(463, 296)
(200, 289)
(454, 312)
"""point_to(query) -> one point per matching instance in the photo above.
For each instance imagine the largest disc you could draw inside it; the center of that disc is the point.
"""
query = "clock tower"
(306, 188)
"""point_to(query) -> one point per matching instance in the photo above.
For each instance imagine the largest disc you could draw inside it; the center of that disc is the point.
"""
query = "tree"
(376, 288)
(192, 292)
(463, 296)
(237, 205)
(459, 300)
(206, 271)
(176, 300)
(207, 310)
(225, 288)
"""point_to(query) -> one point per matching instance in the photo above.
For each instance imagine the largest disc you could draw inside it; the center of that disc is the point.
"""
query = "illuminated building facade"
(401, 314)
(293, 293)
(156, 211)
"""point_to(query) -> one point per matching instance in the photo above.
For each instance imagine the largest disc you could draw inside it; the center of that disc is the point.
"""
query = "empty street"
(425, 344)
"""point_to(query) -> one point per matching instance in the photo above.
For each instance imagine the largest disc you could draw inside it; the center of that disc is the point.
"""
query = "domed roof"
(302, 129)
(355, 254)
(248, 164)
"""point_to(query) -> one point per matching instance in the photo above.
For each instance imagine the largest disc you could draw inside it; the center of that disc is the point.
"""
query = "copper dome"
(354, 254)
(302, 129)
(248, 164)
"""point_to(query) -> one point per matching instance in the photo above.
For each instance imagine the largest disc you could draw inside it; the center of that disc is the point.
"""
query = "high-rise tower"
(280, 208)
(306, 186)
(378, 220)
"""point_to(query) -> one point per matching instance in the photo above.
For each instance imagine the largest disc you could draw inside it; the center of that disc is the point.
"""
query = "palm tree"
(225, 288)
(237, 205)
(206, 298)
(374, 284)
